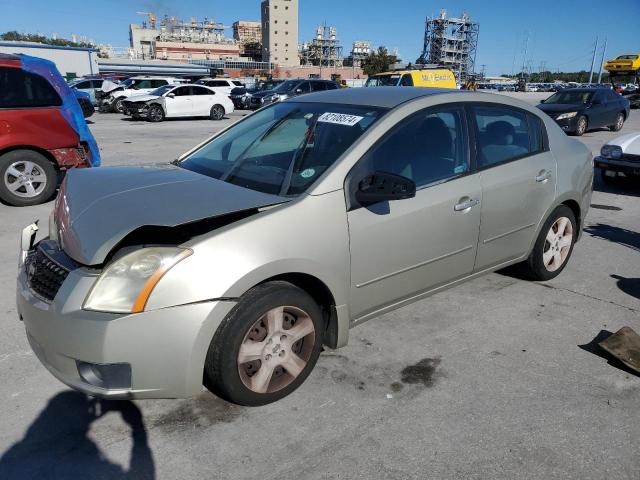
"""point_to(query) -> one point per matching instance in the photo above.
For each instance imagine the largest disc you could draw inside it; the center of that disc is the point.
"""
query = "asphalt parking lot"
(493, 379)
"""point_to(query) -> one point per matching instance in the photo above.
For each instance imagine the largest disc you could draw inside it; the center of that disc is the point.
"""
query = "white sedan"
(620, 157)
(179, 101)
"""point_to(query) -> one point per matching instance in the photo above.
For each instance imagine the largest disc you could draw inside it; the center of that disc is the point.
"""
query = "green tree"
(378, 62)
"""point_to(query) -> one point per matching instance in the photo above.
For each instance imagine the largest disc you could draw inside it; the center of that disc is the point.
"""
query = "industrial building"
(71, 61)
(174, 39)
(452, 43)
(324, 50)
(249, 38)
(280, 32)
(359, 51)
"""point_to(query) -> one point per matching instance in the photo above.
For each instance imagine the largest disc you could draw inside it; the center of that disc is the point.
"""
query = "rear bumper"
(76, 157)
(163, 349)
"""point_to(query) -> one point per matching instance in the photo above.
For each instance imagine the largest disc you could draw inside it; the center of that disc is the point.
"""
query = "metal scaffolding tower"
(324, 50)
(452, 43)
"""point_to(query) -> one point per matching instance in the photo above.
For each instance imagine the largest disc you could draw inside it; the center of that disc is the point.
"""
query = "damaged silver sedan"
(232, 267)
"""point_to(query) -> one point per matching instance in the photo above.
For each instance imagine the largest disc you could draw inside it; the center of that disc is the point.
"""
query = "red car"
(42, 130)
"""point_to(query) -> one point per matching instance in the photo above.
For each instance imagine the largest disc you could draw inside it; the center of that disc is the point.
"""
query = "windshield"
(127, 83)
(162, 90)
(285, 148)
(627, 57)
(287, 86)
(382, 81)
(573, 98)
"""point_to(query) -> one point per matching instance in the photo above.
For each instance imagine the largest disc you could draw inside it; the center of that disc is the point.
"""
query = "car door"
(518, 177)
(178, 102)
(402, 248)
(302, 88)
(202, 99)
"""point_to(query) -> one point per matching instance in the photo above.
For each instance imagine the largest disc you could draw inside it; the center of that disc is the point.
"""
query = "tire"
(537, 266)
(155, 114)
(217, 112)
(117, 105)
(581, 126)
(28, 167)
(616, 127)
(235, 375)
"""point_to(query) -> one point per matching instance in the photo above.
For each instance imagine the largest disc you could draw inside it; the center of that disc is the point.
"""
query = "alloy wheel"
(276, 349)
(25, 179)
(557, 244)
(619, 122)
(582, 126)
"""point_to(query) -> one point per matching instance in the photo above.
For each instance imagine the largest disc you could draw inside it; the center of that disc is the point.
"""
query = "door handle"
(543, 176)
(466, 205)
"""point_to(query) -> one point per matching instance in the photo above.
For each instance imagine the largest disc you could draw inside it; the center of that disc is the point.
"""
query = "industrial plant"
(452, 43)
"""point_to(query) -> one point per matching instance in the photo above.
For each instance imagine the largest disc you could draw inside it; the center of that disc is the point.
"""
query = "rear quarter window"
(20, 89)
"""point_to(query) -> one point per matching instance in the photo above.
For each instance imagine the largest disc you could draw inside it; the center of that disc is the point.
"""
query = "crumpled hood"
(97, 208)
(142, 98)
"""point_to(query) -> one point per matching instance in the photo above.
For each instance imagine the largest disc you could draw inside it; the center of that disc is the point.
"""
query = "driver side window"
(428, 147)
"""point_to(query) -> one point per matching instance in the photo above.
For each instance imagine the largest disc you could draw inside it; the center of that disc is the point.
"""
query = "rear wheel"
(581, 126)
(26, 178)
(155, 113)
(266, 347)
(553, 246)
(616, 127)
(217, 112)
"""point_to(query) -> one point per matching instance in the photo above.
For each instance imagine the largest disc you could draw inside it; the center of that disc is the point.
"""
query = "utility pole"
(593, 61)
(484, 66)
(604, 52)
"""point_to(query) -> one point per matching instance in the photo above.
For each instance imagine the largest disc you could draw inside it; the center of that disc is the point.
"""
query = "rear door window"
(20, 89)
(502, 134)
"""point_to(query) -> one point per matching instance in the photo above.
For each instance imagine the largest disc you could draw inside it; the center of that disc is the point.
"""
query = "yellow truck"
(628, 64)
(430, 78)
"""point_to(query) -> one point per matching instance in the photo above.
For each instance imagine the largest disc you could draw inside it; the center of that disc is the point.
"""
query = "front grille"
(44, 276)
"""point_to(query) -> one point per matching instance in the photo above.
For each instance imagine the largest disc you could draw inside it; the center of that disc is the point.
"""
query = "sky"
(561, 33)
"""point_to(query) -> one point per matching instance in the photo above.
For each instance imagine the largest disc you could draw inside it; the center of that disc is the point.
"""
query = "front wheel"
(553, 246)
(217, 112)
(616, 127)
(266, 347)
(26, 178)
(118, 106)
(155, 113)
(581, 126)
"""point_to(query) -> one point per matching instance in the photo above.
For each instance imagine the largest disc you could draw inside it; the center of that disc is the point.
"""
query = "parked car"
(426, 77)
(89, 86)
(236, 264)
(634, 100)
(173, 101)
(241, 96)
(620, 157)
(112, 102)
(84, 99)
(220, 85)
(43, 133)
(289, 89)
(577, 110)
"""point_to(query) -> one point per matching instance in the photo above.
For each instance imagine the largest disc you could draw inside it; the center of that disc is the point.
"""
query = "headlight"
(611, 151)
(126, 284)
(566, 115)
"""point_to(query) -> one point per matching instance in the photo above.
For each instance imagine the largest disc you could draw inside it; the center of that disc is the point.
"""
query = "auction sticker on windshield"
(339, 119)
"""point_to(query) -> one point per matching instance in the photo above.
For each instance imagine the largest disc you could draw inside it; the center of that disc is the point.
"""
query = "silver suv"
(235, 265)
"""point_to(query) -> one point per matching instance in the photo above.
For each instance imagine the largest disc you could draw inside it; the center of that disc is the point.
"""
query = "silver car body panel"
(371, 260)
(96, 209)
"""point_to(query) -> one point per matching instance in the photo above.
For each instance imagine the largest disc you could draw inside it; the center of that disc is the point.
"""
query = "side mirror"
(298, 90)
(383, 186)
(171, 95)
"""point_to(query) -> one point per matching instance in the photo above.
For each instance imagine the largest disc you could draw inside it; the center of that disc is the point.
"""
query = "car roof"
(386, 97)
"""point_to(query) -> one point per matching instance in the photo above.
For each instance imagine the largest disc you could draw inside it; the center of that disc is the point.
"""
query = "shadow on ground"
(593, 347)
(625, 237)
(57, 444)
